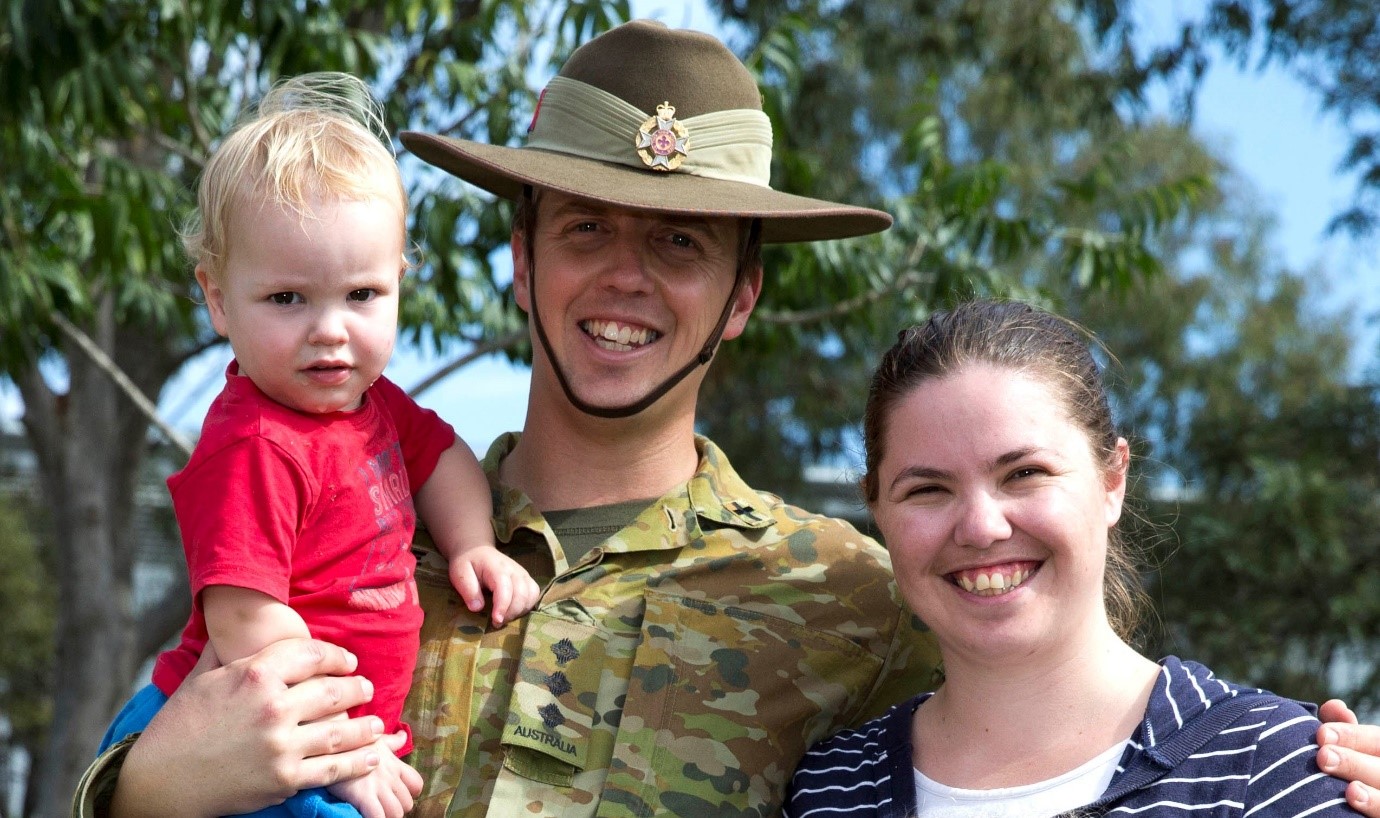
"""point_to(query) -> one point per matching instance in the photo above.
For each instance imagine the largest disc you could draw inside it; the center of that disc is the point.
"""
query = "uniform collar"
(716, 495)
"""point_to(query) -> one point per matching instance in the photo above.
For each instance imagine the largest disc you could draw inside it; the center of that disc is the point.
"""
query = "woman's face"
(996, 512)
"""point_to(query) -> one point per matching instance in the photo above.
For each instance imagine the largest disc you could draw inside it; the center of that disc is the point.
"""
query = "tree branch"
(122, 381)
(508, 341)
(899, 284)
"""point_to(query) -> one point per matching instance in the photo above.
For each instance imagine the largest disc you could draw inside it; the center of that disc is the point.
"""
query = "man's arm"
(244, 736)
(1351, 752)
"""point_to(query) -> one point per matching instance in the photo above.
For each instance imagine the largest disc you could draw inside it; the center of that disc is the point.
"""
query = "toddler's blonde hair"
(313, 136)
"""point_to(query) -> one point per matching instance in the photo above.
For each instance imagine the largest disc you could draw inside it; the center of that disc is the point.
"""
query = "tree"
(1329, 45)
(114, 107)
(1257, 458)
(995, 132)
(28, 598)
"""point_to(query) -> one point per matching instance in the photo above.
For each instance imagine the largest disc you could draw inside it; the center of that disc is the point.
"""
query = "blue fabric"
(140, 710)
(1264, 764)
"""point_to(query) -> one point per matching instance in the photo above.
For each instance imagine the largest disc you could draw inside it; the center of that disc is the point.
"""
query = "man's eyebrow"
(576, 207)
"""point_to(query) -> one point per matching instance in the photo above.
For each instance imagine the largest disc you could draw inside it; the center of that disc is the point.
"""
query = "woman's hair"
(1045, 347)
(312, 136)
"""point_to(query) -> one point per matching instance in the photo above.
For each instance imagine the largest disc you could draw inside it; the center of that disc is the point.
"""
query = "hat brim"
(504, 171)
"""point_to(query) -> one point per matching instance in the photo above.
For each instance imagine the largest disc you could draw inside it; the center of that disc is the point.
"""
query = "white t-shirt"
(1053, 796)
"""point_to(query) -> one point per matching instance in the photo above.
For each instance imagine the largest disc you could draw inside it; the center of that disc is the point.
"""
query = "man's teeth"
(620, 336)
(992, 584)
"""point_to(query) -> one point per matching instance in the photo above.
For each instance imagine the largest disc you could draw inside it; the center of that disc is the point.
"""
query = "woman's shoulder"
(889, 732)
(858, 771)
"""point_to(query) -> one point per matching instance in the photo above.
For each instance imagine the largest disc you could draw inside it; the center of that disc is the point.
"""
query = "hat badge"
(661, 141)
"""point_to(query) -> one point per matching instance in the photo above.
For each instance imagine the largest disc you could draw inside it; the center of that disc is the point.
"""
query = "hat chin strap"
(705, 355)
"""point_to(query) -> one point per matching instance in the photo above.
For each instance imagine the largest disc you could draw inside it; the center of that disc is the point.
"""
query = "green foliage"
(108, 111)
(1257, 464)
(990, 131)
(1330, 45)
(28, 597)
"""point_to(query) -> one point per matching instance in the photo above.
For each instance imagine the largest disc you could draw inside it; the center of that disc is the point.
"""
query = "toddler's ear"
(215, 298)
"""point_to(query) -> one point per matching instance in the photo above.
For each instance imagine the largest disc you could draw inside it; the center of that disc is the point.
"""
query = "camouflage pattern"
(681, 667)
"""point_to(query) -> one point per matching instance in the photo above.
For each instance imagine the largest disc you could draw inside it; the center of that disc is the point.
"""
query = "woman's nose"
(982, 521)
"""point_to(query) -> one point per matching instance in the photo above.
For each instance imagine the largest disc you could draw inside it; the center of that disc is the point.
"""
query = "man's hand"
(1351, 751)
(247, 735)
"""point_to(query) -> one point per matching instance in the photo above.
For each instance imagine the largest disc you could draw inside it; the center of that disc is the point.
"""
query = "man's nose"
(627, 266)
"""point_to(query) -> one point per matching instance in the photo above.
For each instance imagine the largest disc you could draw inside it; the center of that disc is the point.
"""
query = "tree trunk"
(90, 443)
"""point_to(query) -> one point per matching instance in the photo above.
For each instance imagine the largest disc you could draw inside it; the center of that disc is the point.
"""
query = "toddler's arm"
(455, 506)
(242, 622)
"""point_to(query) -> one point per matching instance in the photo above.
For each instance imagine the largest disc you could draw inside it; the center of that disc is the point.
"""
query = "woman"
(996, 478)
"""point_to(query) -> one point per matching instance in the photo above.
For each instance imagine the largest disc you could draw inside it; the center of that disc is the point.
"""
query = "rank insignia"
(661, 141)
(551, 716)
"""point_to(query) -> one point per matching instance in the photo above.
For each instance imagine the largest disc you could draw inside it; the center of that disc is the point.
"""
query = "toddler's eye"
(364, 294)
(285, 299)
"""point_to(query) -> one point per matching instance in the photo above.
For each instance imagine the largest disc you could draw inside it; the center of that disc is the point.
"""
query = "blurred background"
(1196, 182)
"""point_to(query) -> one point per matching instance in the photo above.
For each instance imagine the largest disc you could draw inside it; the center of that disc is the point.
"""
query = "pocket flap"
(552, 708)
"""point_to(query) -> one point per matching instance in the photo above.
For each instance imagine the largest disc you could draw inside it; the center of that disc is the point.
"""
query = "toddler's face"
(310, 305)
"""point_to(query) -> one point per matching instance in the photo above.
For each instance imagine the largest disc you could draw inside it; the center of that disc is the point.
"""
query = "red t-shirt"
(316, 512)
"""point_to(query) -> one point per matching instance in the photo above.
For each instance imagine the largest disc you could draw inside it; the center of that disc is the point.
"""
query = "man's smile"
(616, 336)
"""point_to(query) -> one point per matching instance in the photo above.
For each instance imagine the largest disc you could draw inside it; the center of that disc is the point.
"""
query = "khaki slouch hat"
(650, 118)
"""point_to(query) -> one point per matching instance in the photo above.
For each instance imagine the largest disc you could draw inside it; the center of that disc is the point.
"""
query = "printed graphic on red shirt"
(386, 478)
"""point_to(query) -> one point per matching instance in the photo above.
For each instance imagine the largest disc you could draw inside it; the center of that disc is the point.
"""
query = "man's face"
(628, 298)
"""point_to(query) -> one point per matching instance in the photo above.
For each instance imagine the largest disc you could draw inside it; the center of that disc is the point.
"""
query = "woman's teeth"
(991, 583)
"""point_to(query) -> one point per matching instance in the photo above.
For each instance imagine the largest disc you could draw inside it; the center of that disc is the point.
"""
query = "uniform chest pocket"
(550, 720)
(722, 703)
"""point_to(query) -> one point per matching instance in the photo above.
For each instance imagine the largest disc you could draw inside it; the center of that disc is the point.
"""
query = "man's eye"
(364, 294)
(285, 299)
(682, 241)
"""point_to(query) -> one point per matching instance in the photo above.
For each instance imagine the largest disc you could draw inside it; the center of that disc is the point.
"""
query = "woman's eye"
(284, 299)
(1026, 471)
(364, 294)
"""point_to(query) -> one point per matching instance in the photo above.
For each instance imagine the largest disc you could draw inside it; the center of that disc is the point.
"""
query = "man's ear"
(749, 290)
(215, 299)
(522, 290)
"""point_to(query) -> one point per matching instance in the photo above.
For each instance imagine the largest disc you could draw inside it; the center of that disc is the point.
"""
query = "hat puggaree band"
(579, 119)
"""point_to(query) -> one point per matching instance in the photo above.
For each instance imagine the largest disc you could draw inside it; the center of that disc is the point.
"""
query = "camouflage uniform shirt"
(682, 666)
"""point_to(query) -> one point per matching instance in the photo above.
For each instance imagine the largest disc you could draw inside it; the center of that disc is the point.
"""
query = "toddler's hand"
(485, 567)
(385, 791)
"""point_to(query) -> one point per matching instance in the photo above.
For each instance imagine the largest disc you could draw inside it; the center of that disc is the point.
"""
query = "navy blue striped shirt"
(1263, 763)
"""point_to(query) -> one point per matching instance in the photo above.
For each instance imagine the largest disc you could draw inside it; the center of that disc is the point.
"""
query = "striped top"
(1263, 763)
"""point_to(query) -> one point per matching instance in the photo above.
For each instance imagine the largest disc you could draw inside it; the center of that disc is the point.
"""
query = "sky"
(1268, 124)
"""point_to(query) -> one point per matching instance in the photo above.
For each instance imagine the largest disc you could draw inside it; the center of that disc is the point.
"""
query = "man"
(694, 636)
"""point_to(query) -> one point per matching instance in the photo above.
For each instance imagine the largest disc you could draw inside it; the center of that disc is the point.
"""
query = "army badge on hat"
(661, 141)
